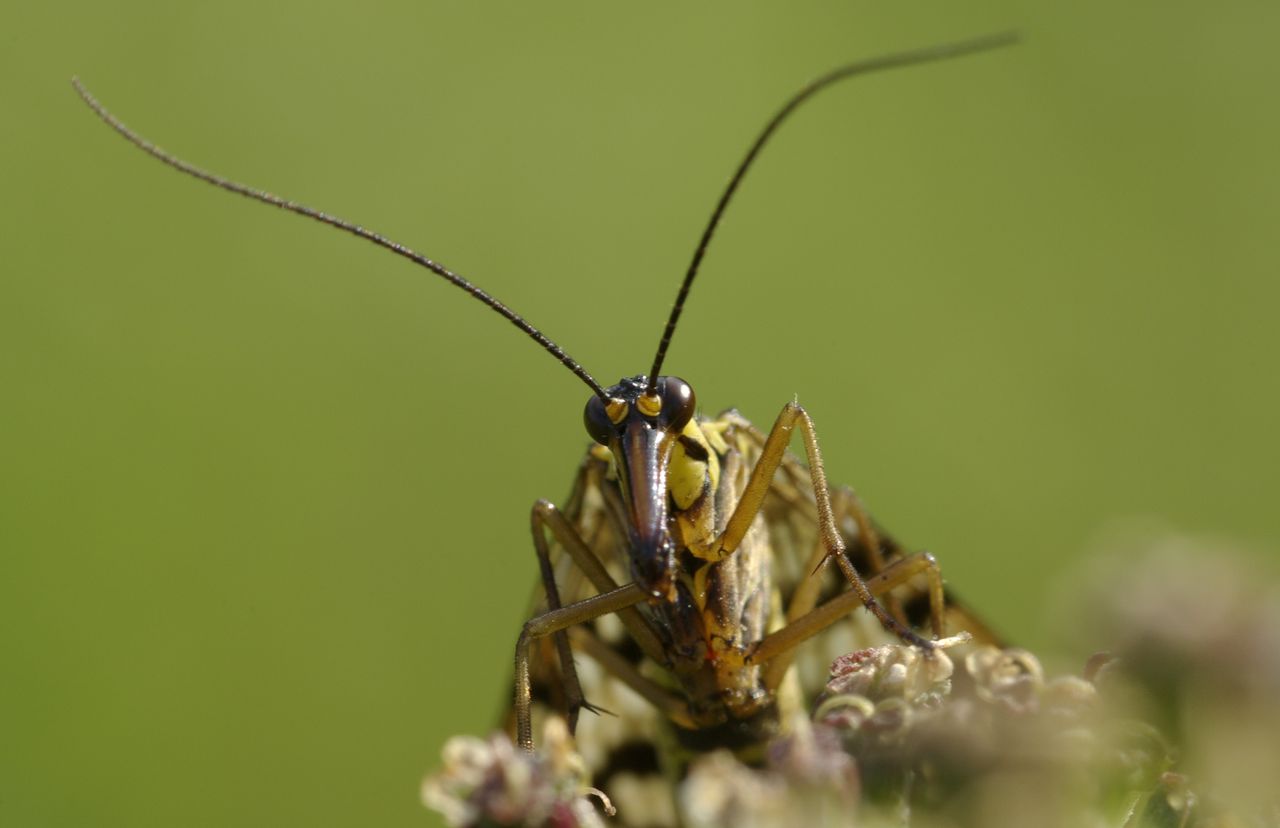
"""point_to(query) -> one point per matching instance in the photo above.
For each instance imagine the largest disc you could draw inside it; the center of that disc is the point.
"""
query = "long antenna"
(928, 54)
(342, 224)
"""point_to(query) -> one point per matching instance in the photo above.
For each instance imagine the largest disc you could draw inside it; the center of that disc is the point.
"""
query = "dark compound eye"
(678, 402)
(599, 426)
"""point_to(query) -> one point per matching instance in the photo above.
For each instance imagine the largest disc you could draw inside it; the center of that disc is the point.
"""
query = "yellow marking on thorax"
(693, 483)
(686, 476)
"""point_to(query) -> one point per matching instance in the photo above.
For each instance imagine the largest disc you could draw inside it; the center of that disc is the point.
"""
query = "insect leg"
(574, 700)
(771, 455)
(554, 621)
(546, 517)
(776, 649)
(804, 597)
(669, 704)
(873, 548)
(845, 503)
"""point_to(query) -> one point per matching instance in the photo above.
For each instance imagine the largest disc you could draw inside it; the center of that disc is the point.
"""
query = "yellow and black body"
(720, 536)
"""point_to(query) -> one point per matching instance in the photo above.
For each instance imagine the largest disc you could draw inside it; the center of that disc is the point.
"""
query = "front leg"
(753, 495)
(554, 621)
(547, 518)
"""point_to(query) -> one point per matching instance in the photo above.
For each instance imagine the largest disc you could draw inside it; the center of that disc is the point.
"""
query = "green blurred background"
(265, 489)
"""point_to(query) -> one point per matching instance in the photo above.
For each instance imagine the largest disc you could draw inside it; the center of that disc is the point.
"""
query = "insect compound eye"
(599, 425)
(678, 402)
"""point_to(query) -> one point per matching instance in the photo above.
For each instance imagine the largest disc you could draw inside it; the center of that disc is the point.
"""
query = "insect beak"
(643, 455)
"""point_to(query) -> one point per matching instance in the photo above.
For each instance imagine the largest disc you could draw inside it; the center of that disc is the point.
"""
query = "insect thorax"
(723, 605)
(722, 609)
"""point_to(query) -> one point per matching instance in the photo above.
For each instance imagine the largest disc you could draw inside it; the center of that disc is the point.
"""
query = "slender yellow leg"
(776, 650)
(574, 700)
(554, 621)
(771, 455)
(546, 517)
(844, 503)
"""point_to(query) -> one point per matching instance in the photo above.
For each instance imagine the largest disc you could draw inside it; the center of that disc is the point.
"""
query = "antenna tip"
(1008, 37)
(80, 90)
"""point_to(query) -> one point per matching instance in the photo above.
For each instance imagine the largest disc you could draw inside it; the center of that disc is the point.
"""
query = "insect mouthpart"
(641, 428)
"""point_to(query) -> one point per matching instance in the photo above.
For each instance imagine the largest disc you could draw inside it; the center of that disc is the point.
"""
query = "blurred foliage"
(263, 523)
